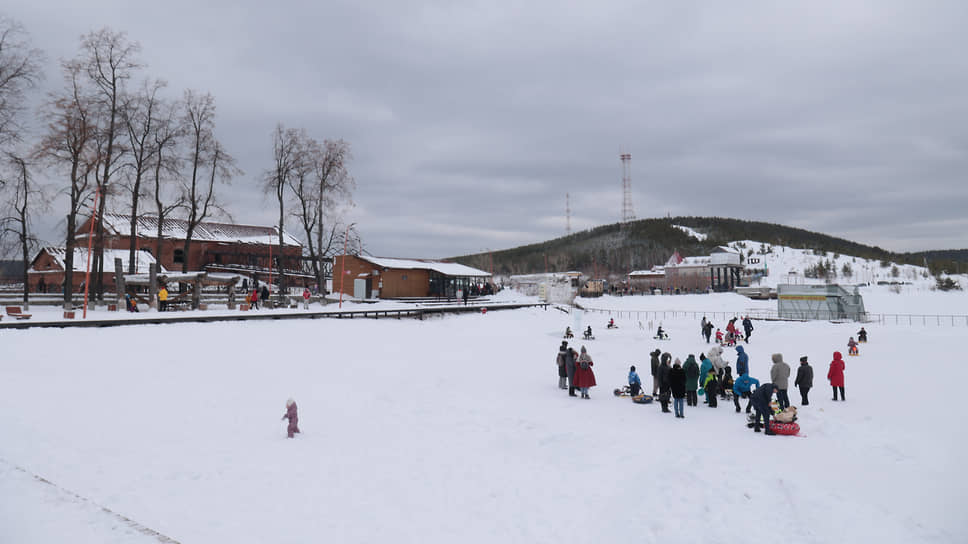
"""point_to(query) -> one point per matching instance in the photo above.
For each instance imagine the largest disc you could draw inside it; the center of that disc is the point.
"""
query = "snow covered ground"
(453, 430)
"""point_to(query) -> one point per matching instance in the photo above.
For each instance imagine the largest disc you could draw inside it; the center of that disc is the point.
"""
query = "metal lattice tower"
(567, 213)
(627, 213)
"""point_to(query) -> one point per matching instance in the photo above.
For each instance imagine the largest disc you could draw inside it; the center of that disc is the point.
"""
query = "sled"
(642, 399)
(784, 428)
(661, 337)
(588, 338)
(854, 354)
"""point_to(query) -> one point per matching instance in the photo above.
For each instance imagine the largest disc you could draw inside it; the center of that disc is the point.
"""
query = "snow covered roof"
(655, 271)
(177, 229)
(142, 259)
(447, 269)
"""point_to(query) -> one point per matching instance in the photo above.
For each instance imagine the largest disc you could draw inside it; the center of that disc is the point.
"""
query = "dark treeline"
(614, 250)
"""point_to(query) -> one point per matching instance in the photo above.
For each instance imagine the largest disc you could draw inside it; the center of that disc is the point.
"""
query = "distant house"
(215, 246)
(384, 277)
(719, 271)
(47, 270)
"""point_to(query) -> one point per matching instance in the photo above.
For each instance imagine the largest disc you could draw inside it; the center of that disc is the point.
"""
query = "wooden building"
(382, 277)
(48, 269)
(215, 246)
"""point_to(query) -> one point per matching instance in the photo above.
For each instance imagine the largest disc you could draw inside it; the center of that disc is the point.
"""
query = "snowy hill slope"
(453, 430)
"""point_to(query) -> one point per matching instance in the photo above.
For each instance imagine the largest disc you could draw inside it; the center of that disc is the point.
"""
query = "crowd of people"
(711, 376)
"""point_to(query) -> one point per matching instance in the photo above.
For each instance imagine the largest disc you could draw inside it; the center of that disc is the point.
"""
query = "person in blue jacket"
(635, 384)
(761, 399)
(742, 387)
(742, 361)
(703, 372)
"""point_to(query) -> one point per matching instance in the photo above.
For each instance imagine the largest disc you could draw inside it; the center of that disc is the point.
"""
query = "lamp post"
(342, 264)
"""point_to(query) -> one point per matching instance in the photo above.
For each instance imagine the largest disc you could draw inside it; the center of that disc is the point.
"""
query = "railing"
(936, 320)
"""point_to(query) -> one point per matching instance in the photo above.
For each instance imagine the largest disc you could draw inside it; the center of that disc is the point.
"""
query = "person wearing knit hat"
(804, 380)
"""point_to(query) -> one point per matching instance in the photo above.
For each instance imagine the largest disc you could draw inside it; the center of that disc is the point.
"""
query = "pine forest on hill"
(614, 250)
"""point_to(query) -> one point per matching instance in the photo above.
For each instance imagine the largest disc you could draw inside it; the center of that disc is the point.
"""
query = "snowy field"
(453, 430)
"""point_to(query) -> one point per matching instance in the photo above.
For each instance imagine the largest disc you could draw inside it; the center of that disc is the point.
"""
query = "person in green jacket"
(691, 367)
(711, 385)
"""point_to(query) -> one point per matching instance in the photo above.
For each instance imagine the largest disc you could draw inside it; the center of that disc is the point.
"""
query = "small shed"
(385, 277)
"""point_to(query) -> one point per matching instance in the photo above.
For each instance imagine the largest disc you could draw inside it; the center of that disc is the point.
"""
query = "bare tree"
(19, 71)
(140, 116)
(320, 201)
(110, 60)
(205, 152)
(68, 145)
(167, 135)
(23, 196)
(288, 156)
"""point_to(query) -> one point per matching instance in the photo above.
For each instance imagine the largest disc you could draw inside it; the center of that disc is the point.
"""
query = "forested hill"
(613, 250)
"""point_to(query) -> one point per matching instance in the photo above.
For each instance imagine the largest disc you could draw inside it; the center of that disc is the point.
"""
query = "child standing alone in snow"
(292, 416)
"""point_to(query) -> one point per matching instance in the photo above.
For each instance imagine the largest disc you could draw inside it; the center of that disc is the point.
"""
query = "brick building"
(382, 277)
(215, 246)
(47, 270)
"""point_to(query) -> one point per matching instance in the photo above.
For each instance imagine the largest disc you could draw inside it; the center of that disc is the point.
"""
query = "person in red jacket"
(836, 374)
(584, 377)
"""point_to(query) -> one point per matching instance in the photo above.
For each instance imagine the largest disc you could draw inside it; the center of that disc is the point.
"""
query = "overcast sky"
(470, 121)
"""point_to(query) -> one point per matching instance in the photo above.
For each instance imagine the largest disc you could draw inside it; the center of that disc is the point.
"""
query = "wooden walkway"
(158, 318)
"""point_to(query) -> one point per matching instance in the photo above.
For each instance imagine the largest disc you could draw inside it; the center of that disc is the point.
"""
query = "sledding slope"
(453, 429)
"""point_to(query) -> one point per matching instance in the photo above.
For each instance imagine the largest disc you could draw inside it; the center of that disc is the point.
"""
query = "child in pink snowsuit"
(292, 416)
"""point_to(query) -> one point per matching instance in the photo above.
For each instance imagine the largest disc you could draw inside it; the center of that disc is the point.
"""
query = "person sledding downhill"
(611, 323)
(661, 334)
(862, 336)
(568, 333)
(852, 347)
(588, 333)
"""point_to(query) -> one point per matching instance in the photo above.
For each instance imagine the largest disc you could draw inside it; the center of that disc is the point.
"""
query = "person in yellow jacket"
(162, 299)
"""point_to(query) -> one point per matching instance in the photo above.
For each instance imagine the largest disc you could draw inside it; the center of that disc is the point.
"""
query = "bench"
(15, 311)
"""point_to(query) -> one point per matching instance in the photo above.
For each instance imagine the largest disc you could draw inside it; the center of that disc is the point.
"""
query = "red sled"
(784, 428)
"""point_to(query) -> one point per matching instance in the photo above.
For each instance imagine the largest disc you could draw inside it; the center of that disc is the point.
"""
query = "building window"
(403, 277)
(179, 256)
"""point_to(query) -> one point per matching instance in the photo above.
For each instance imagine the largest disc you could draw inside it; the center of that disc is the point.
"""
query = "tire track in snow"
(132, 524)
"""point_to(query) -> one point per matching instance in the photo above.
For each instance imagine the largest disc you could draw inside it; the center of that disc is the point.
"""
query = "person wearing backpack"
(584, 376)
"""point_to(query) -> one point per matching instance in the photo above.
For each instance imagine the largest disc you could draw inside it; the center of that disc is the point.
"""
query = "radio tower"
(627, 213)
(567, 214)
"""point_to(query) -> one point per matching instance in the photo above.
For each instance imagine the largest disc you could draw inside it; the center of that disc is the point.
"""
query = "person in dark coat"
(570, 358)
(293, 418)
(836, 374)
(761, 399)
(748, 328)
(655, 372)
(584, 376)
(677, 384)
(665, 386)
(804, 380)
(691, 369)
(562, 370)
(265, 293)
(711, 385)
(707, 330)
(862, 335)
